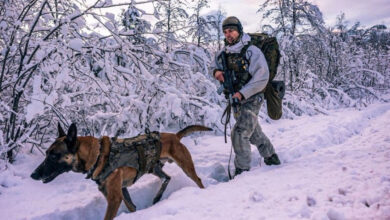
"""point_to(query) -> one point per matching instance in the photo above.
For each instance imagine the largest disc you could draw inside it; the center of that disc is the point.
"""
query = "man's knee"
(242, 129)
(240, 142)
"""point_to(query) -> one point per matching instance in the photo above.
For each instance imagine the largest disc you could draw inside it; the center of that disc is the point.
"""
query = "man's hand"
(237, 95)
(219, 76)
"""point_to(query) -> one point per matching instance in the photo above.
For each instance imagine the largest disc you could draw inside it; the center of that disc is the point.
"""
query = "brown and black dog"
(82, 154)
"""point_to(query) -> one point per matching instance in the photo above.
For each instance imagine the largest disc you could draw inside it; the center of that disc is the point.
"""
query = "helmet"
(233, 23)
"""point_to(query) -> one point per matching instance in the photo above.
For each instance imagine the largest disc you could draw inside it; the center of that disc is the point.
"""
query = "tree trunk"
(294, 18)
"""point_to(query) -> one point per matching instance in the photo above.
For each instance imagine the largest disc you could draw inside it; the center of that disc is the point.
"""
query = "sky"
(367, 12)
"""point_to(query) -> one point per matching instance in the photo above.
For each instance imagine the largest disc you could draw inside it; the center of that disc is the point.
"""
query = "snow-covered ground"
(334, 166)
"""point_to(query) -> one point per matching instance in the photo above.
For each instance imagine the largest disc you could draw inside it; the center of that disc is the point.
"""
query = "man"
(252, 74)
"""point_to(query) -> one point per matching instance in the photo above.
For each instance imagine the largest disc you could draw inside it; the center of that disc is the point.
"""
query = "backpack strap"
(244, 50)
(243, 53)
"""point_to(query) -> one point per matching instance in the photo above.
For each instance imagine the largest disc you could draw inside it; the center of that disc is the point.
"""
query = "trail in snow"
(333, 167)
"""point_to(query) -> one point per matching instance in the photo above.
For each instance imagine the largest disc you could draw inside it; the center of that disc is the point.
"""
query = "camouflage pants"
(247, 131)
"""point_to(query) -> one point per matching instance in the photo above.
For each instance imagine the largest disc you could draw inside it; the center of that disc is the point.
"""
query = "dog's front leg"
(157, 170)
(113, 193)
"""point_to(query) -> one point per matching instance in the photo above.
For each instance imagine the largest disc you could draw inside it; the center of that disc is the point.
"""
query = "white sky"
(367, 12)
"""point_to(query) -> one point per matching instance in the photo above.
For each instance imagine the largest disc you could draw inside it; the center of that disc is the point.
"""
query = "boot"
(272, 160)
(238, 171)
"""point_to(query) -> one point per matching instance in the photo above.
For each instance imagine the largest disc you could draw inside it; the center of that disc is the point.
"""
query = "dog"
(88, 154)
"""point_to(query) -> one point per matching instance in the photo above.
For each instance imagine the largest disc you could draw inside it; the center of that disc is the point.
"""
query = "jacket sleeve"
(258, 69)
(216, 65)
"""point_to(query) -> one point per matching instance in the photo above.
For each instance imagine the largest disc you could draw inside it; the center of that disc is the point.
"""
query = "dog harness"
(141, 153)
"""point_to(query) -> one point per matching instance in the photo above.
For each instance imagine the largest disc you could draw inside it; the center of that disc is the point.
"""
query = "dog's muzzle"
(47, 171)
(37, 174)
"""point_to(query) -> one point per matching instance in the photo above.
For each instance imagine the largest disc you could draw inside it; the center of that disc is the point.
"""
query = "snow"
(36, 106)
(172, 103)
(110, 16)
(334, 166)
(76, 44)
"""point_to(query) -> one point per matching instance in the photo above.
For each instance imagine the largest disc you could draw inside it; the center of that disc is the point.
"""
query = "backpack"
(274, 91)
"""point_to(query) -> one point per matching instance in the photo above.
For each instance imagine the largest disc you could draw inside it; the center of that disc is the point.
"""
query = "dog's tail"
(190, 129)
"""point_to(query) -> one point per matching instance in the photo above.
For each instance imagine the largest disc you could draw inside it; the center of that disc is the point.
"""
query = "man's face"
(231, 35)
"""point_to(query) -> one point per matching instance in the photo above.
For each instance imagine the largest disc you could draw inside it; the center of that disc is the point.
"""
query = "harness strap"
(93, 168)
(158, 150)
(141, 160)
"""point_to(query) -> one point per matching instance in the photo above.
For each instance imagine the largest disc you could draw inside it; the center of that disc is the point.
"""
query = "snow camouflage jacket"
(258, 68)
(141, 152)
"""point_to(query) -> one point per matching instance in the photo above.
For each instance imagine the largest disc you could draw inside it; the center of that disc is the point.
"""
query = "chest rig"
(141, 152)
(239, 64)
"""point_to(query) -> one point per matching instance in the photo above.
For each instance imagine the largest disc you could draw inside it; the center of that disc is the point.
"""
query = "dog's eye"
(53, 156)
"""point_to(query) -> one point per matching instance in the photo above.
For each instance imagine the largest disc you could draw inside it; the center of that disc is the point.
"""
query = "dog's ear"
(71, 138)
(61, 131)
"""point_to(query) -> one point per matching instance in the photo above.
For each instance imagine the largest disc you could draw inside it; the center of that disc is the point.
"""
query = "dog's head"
(60, 157)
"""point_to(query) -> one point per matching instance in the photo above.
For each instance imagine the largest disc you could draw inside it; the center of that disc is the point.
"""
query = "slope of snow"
(334, 167)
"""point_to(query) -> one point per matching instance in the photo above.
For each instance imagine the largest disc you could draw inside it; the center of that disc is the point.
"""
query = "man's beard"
(233, 41)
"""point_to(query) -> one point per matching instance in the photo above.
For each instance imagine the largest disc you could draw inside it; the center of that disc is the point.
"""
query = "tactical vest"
(141, 152)
(239, 64)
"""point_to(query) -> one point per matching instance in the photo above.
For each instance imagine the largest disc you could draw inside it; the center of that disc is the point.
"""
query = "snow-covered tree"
(199, 26)
(289, 20)
(215, 20)
(291, 17)
(33, 33)
(172, 17)
(111, 75)
(337, 66)
(57, 68)
(135, 26)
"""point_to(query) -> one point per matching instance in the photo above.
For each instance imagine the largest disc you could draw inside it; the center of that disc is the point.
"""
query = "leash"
(230, 157)
(227, 112)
